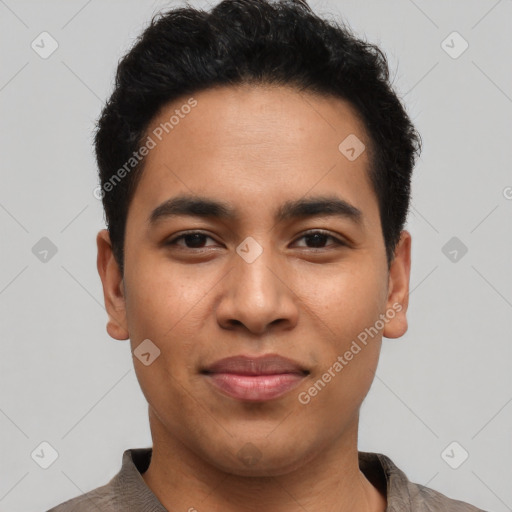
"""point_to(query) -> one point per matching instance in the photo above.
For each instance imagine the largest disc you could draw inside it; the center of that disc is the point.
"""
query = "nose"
(258, 296)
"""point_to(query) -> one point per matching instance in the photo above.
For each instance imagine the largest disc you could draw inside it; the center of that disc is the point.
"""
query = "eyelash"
(337, 241)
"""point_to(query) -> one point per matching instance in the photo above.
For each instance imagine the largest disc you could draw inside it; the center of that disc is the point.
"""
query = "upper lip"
(270, 364)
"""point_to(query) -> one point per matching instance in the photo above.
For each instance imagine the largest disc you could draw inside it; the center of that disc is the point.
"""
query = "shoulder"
(126, 491)
(404, 495)
(429, 500)
(101, 498)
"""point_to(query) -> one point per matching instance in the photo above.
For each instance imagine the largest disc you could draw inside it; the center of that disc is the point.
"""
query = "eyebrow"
(204, 207)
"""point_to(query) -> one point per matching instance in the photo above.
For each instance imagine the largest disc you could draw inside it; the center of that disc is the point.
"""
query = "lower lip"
(255, 388)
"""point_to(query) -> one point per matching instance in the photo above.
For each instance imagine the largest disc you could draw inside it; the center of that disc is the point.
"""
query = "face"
(290, 262)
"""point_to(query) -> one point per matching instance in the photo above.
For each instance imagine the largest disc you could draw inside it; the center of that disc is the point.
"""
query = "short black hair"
(281, 42)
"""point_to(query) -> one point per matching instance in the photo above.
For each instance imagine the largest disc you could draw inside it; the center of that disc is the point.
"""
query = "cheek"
(161, 298)
(348, 306)
(347, 300)
(158, 310)
(167, 306)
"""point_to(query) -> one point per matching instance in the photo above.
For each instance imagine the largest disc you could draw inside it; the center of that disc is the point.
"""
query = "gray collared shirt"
(127, 491)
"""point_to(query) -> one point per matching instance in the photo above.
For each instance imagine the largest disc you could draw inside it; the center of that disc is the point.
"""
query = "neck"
(330, 482)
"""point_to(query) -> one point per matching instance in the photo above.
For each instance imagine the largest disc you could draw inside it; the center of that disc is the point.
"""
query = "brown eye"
(192, 240)
(318, 239)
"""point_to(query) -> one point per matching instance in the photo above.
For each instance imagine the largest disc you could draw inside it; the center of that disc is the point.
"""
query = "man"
(255, 171)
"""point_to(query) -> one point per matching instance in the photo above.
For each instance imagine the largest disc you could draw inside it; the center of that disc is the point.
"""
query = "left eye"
(318, 236)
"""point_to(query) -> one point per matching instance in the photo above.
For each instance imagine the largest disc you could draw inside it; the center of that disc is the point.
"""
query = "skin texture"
(256, 147)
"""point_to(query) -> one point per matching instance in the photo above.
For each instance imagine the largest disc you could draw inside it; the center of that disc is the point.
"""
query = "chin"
(255, 460)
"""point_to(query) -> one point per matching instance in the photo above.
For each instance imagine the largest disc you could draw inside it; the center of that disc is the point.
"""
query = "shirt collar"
(135, 495)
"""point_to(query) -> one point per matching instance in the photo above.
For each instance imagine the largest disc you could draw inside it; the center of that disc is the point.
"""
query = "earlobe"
(398, 289)
(113, 290)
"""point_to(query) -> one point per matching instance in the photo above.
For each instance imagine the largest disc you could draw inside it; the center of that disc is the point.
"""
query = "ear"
(113, 288)
(398, 288)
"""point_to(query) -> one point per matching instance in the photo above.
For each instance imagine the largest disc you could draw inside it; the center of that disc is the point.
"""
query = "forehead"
(260, 145)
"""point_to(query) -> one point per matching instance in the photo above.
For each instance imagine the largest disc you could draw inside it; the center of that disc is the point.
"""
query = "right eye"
(193, 238)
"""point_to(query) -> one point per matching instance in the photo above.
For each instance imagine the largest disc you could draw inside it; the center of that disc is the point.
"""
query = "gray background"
(63, 380)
